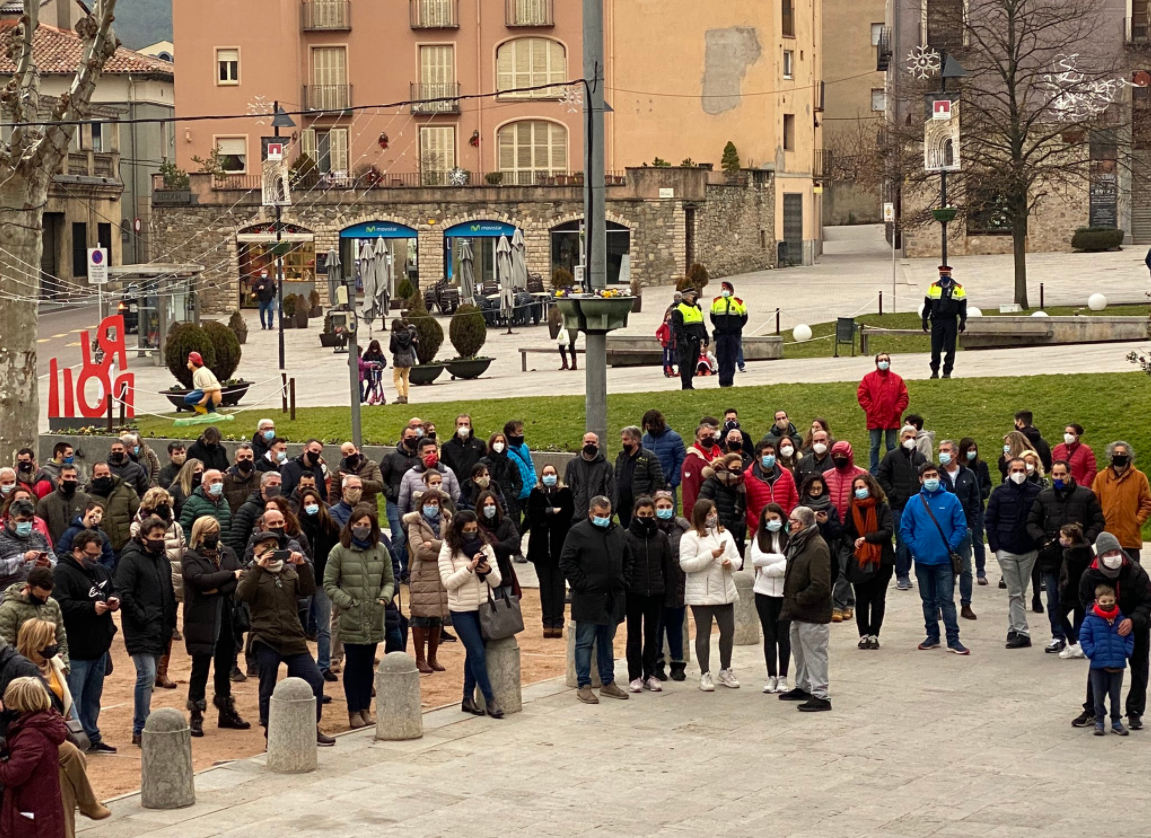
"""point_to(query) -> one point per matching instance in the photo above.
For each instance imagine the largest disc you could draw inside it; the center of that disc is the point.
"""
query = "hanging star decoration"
(260, 107)
(1075, 96)
(572, 98)
(923, 62)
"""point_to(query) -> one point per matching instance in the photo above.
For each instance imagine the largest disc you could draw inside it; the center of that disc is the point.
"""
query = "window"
(788, 64)
(789, 132)
(878, 99)
(530, 62)
(876, 33)
(531, 148)
(97, 137)
(328, 149)
(437, 79)
(945, 23)
(79, 248)
(787, 17)
(104, 238)
(233, 154)
(434, 14)
(529, 13)
(437, 154)
(329, 79)
(227, 66)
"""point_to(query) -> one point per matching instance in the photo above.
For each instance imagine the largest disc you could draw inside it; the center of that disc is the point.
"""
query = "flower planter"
(468, 368)
(425, 374)
(329, 340)
(241, 337)
(301, 318)
(945, 215)
(232, 393)
(595, 314)
(316, 311)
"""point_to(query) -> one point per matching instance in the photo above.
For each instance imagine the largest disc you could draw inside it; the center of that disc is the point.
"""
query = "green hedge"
(1096, 239)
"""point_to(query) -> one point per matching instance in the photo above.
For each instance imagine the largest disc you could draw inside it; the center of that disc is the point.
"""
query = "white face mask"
(498, 447)
(463, 432)
(1030, 468)
(1113, 562)
(787, 451)
(1069, 439)
(909, 443)
(819, 448)
(1018, 477)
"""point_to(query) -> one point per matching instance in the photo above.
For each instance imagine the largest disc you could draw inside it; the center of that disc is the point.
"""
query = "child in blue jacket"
(1108, 652)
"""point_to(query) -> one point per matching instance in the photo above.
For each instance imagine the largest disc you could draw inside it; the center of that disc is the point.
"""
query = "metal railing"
(883, 50)
(327, 97)
(434, 14)
(438, 90)
(529, 13)
(327, 15)
(416, 180)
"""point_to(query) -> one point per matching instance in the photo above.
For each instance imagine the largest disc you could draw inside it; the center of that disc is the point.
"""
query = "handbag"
(956, 560)
(77, 736)
(500, 616)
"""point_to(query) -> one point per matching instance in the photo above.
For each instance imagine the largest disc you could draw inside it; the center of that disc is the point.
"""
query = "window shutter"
(437, 65)
(507, 142)
(505, 67)
(338, 141)
(308, 143)
(559, 161)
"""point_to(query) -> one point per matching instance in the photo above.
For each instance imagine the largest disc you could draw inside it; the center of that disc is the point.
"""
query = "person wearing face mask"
(354, 462)
(177, 456)
(244, 522)
(413, 480)
(883, 396)
(502, 535)
(311, 460)
(672, 624)
(769, 558)
(21, 546)
(241, 479)
(588, 475)
(1114, 567)
(969, 457)
(61, 507)
(351, 493)
(465, 448)
(1077, 453)
(731, 423)
(728, 319)
(813, 495)
(275, 458)
(867, 532)
(262, 438)
(898, 476)
(1125, 496)
(783, 430)
(208, 499)
(945, 308)
(724, 485)
(1007, 515)
(187, 480)
(807, 608)
(88, 597)
(933, 526)
(733, 444)
(698, 458)
(504, 471)
(148, 611)
(667, 445)
(816, 458)
(839, 479)
(960, 480)
(651, 575)
(29, 475)
(638, 473)
(551, 508)
(924, 439)
(690, 334)
(478, 482)
(323, 533)
(768, 483)
(91, 518)
(142, 455)
(427, 530)
(63, 454)
(32, 600)
(1015, 444)
(209, 450)
(158, 502)
(520, 455)
(128, 471)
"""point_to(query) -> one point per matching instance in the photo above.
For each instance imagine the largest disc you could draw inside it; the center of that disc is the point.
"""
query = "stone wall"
(735, 228)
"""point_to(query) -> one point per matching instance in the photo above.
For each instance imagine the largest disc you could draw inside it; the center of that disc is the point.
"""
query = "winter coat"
(355, 580)
(291, 471)
(393, 467)
(174, 546)
(810, 464)
(64, 546)
(691, 474)
(1132, 591)
(77, 590)
(31, 777)
(403, 349)
(839, 481)
(413, 483)
(167, 476)
(598, 564)
(462, 455)
(669, 450)
(920, 534)
(647, 476)
(883, 397)
(13, 566)
(1055, 507)
(341, 513)
(1076, 559)
(269, 462)
(147, 601)
(1081, 459)
(470, 492)
(776, 437)
(547, 530)
(370, 477)
(120, 507)
(272, 600)
(730, 497)
(966, 488)
(466, 589)
(925, 444)
(244, 522)
(587, 479)
(208, 597)
(522, 457)
(651, 556)
(201, 504)
(320, 541)
(831, 529)
(1006, 520)
(677, 579)
(505, 473)
(133, 475)
(807, 580)
(214, 457)
(1101, 642)
(238, 486)
(1126, 502)
(505, 541)
(1039, 444)
(762, 489)
(16, 610)
(898, 475)
(426, 592)
(881, 535)
(982, 479)
(708, 581)
(149, 462)
(59, 511)
(770, 567)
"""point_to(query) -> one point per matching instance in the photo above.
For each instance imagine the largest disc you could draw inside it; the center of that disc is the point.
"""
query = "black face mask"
(102, 485)
(25, 467)
(734, 446)
(431, 434)
(271, 492)
(840, 462)
(731, 424)
(591, 450)
(117, 458)
(49, 652)
(67, 488)
(310, 458)
(154, 545)
(245, 466)
(515, 440)
(648, 525)
(410, 444)
(164, 511)
(471, 545)
(1120, 460)
(354, 461)
(211, 542)
(35, 600)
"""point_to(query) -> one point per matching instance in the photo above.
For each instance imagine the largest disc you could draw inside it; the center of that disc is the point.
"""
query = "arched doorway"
(567, 248)
(256, 245)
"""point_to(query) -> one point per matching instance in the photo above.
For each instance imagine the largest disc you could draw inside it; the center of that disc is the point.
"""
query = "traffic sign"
(97, 266)
(889, 212)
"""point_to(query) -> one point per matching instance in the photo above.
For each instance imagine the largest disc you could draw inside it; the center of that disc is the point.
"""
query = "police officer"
(946, 307)
(690, 335)
(728, 316)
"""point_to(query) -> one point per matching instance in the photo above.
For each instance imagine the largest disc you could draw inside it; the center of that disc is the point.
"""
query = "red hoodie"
(839, 481)
(691, 474)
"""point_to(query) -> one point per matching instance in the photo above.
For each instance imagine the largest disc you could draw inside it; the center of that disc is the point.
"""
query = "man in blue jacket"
(668, 447)
(1006, 521)
(933, 527)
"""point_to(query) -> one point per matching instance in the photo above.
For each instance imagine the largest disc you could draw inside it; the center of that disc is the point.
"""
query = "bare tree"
(27, 163)
(854, 146)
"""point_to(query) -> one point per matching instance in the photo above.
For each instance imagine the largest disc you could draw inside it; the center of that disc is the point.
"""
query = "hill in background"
(143, 22)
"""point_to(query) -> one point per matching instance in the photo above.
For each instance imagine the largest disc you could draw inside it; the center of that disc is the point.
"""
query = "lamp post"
(951, 70)
(280, 120)
(595, 213)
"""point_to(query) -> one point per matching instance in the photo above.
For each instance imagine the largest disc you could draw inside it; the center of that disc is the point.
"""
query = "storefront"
(400, 240)
(567, 248)
(256, 249)
(484, 236)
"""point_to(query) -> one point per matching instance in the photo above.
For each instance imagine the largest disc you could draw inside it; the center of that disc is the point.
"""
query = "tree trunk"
(1019, 246)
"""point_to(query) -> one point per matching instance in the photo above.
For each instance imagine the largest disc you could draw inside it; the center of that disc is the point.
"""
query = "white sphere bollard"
(801, 332)
(1097, 302)
(1039, 314)
(972, 311)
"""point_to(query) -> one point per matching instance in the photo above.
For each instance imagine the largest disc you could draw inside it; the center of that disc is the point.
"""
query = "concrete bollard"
(166, 780)
(746, 617)
(398, 711)
(570, 679)
(292, 728)
(503, 658)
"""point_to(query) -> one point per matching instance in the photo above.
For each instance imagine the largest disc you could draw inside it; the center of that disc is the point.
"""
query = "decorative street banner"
(101, 369)
(941, 133)
(275, 183)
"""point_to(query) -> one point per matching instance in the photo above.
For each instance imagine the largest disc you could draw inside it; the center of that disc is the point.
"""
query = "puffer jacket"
(883, 397)
(521, 455)
(64, 547)
(677, 579)
(201, 504)
(729, 494)
(1132, 590)
(708, 581)
(147, 601)
(898, 475)
(214, 457)
(1099, 637)
(651, 559)
(770, 566)
(413, 482)
(1055, 507)
(587, 479)
(120, 507)
(402, 347)
(427, 596)
(244, 521)
(647, 476)
(669, 449)
(132, 473)
(1081, 459)
(13, 566)
(239, 486)
(839, 480)
(763, 488)
(370, 477)
(1007, 515)
(209, 591)
(33, 806)
(597, 562)
(356, 579)
(16, 610)
(273, 601)
(776, 437)
(174, 546)
(505, 473)
(466, 590)
(393, 467)
(548, 530)
(1126, 502)
(691, 474)
(1076, 559)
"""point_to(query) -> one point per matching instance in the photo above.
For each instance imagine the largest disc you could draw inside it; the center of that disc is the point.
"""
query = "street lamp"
(951, 70)
(280, 120)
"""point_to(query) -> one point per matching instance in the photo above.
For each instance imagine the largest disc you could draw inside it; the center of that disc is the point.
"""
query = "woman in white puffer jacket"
(769, 556)
(707, 554)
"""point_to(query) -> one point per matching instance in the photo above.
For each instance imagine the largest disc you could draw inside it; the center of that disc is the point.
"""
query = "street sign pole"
(595, 213)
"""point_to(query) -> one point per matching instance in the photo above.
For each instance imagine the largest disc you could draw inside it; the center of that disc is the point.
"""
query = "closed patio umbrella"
(504, 272)
(383, 273)
(519, 262)
(335, 278)
(367, 266)
(467, 273)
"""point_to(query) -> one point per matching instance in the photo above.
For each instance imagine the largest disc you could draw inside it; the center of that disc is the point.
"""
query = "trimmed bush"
(228, 350)
(562, 278)
(237, 323)
(1096, 239)
(185, 338)
(697, 278)
(404, 290)
(468, 331)
(290, 306)
(430, 332)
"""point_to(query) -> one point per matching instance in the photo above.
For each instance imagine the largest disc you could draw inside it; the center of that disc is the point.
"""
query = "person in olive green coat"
(359, 581)
(208, 499)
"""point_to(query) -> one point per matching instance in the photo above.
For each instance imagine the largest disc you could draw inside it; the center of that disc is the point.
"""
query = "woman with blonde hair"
(1015, 445)
(187, 479)
(33, 802)
(158, 502)
(426, 529)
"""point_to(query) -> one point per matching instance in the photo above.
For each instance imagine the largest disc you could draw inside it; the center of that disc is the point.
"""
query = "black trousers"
(871, 601)
(552, 592)
(222, 658)
(689, 349)
(268, 662)
(1137, 692)
(726, 351)
(359, 672)
(776, 634)
(643, 616)
(943, 335)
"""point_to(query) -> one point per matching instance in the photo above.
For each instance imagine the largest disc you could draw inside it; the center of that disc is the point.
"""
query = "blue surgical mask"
(69, 460)
(23, 528)
(136, 450)
(884, 365)
(944, 458)
(282, 456)
(1006, 449)
(863, 494)
(601, 522)
(1059, 484)
(774, 525)
(550, 479)
(431, 512)
(665, 514)
(931, 484)
(972, 454)
(489, 512)
(768, 461)
(216, 489)
(312, 508)
(269, 434)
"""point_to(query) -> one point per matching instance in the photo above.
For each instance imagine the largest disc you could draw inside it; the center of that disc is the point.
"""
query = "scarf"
(819, 504)
(866, 521)
(1109, 616)
(797, 542)
(211, 555)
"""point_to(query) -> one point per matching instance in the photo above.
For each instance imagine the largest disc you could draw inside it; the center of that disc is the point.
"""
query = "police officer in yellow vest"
(690, 335)
(946, 307)
(728, 316)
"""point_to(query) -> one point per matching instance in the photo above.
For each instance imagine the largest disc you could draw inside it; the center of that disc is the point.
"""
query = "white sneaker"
(652, 685)
(727, 679)
(769, 687)
(781, 686)
(1068, 652)
(1078, 653)
(636, 686)
(705, 683)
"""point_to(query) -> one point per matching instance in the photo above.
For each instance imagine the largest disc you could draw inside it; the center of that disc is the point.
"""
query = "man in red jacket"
(883, 397)
(698, 457)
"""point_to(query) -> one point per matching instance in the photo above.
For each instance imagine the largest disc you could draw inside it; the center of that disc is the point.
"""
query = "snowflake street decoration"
(458, 177)
(923, 62)
(573, 98)
(1076, 97)
(260, 107)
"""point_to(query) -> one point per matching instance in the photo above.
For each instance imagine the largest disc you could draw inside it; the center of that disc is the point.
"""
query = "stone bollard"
(503, 658)
(398, 711)
(292, 728)
(571, 680)
(746, 617)
(166, 780)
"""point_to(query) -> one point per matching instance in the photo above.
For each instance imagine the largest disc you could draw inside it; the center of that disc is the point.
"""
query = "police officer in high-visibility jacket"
(946, 307)
(728, 316)
(690, 335)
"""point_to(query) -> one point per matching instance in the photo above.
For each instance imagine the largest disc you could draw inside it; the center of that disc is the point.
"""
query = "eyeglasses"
(92, 556)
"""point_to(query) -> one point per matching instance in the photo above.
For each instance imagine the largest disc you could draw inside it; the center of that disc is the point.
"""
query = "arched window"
(530, 62)
(532, 148)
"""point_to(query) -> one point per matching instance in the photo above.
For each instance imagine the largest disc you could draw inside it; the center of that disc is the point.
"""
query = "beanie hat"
(1106, 542)
(196, 359)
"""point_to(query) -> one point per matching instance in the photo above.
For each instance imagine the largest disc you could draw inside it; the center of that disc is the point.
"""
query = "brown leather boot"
(419, 637)
(433, 647)
(162, 679)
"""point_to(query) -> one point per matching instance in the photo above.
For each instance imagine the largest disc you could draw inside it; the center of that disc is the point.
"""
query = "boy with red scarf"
(1108, 651)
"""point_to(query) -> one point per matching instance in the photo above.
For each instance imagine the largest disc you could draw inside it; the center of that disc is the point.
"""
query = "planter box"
(944, 216)
(470, 368)
(231, 396)
(595, 314)
(241, 337)
(317, 311)
(426, 373)
(302, 319)
(329, 340)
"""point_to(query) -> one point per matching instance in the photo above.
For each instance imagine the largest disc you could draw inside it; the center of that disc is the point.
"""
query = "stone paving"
(918, 744)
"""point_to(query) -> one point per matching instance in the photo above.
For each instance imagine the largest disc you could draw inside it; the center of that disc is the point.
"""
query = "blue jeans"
(86, 683)
(267, 307)
(1061, 627)
(323, 608)
(397, 536)
(937, 590)
(467, 625)
(671, 633)
(1106, 685)
(977, 545)
(145, 683)
(603, 637)
(902, 551)
(889, 438)
(668, 358)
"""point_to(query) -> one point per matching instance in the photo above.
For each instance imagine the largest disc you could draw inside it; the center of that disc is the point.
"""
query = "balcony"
(821, 164)
(434, 14)
(1138, 30)
(883, 50)
(529, 13)
(327, 15)
(328, 97)
(440, 90)
(819, 97)
(91, 164)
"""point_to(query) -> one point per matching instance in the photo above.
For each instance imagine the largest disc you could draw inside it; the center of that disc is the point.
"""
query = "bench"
(553, 351)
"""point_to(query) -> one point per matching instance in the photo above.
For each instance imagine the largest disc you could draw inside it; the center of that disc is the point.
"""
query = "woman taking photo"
(469, 571)
(322, 533)
(426, 530)
(769, 556)
(708, 556)
(671, 624)
(502, 535)
(551, 507)
(210, 570)
(813, 494)
(359, 580)
(867, 532)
